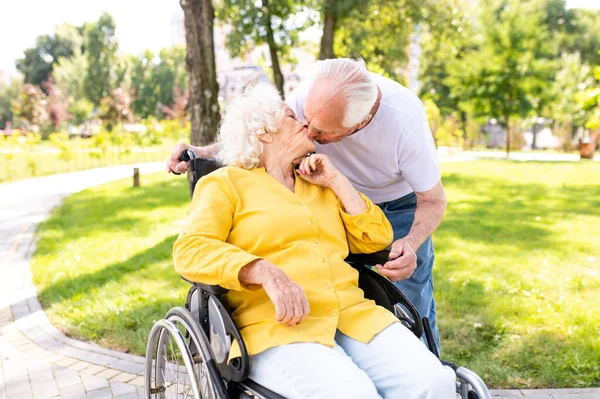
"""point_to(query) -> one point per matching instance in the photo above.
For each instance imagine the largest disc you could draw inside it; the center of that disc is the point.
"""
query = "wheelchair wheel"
(176, 359)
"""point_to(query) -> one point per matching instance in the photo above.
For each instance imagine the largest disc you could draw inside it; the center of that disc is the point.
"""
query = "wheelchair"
(187, 354)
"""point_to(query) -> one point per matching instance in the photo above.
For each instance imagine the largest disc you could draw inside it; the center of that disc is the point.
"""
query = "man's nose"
(312, 132)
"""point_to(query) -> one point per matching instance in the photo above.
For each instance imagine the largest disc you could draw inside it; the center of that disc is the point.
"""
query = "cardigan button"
(334, 312)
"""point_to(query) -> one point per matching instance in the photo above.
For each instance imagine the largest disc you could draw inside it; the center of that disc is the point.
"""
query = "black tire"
(473, 395)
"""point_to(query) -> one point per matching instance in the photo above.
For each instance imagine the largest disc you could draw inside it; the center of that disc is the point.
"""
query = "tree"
(330, 17)
(143, 86)
(571, 81)
(271, 22)
(379, 31)
(69, 75)
(39, 60)
(200, 60)
(155, 80)
(56, 104)
(101, 53)
(29, 106)
(509, 70)
(116, 108)
(8, 92)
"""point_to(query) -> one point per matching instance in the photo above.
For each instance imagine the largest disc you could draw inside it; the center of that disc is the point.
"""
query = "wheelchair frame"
(202, 334)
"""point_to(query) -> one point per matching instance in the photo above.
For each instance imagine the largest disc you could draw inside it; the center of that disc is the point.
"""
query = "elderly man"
(376, 133)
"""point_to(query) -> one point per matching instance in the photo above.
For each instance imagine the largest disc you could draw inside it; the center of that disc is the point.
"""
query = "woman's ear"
(264, 136)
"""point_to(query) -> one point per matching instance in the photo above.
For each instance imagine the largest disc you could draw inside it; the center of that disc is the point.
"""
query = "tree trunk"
(202, 71)
(328, 31)
(534, 136)
(277, 75)
(507, 118)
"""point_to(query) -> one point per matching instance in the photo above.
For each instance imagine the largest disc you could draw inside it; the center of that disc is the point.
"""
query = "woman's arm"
(368, 230)
(291, 305)
(202, 254)
(349, 198)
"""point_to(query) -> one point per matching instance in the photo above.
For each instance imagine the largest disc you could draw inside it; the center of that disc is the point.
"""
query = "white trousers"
(394, 365)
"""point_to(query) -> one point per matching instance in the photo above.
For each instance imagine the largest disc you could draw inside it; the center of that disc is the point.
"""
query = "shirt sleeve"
(201, 252)
(417, 157)
(369, 231)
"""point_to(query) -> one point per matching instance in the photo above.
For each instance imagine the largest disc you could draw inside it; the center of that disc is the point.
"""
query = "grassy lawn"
(517, 272)
(21, 162)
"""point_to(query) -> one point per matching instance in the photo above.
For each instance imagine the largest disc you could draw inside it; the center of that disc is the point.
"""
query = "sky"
(141, 24)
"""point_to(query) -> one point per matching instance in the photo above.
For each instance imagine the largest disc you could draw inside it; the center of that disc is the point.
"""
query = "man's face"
(324, 119)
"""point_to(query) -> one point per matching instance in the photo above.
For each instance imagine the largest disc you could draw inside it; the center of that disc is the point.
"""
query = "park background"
(517, 267)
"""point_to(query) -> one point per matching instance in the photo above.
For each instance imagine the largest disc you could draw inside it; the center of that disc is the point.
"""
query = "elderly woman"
(277, 237)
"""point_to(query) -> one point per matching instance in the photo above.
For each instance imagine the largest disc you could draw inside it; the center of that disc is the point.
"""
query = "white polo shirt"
(394, 154)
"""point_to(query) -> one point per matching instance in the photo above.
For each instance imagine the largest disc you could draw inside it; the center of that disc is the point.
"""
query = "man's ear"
(364, 121)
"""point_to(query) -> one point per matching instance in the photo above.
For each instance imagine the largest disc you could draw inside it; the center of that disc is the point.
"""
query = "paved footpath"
(38, 361)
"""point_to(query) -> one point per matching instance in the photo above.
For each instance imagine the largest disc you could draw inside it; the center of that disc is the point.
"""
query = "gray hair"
(258, 110)
(351, 80)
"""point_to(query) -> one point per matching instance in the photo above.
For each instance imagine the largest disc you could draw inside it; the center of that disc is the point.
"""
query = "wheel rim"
(171, 377)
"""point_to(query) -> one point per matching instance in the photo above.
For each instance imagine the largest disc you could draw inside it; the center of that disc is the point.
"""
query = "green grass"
(517, 268)
(21, 162)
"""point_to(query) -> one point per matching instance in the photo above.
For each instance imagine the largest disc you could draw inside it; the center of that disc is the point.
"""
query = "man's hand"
(403, 261)
(174, 164)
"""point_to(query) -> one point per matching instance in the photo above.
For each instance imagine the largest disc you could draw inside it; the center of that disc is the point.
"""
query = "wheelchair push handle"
(186, 155)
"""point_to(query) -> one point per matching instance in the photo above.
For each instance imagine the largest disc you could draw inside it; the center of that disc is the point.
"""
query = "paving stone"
(578, 396)
(139, 381)
(91, 383)
(506, 392)
(94, 369)
(120, 388)
(75, 391)
(80, 366)
(65, 377)
(129, 396)
(21, 395)
(124, 377)
(45, 390)
(141, 392)
(130, 367)
(66, 362)
(100, 394)
(108, 373)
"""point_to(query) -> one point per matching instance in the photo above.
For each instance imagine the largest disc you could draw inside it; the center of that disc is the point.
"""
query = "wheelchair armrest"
(216, 290)
(376, 258)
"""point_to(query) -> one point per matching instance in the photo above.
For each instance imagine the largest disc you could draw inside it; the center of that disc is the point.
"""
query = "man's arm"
(431, 206)
(177, 166)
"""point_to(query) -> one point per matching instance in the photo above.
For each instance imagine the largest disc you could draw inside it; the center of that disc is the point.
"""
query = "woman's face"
(293, 135)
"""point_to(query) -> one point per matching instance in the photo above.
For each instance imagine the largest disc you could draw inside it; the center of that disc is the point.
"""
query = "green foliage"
(155, 81)
(39, 60)
(8, 92)
(249, 20)
(591, 102)
(116, 108)
(69, 74)
(101, 52)
(379, 32)
(29, 107)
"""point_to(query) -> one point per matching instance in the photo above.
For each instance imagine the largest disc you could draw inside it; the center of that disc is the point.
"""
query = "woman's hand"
(318, 169)
(291, 305)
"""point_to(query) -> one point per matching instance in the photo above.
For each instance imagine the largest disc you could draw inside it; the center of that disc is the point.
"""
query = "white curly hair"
(258, 110)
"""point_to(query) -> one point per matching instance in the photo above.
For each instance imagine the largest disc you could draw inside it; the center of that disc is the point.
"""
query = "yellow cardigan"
(240, 215)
